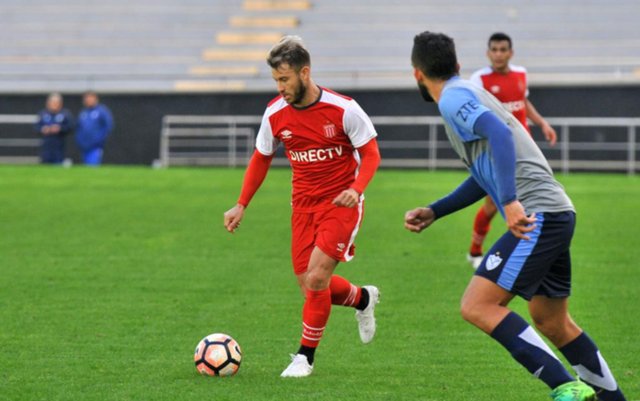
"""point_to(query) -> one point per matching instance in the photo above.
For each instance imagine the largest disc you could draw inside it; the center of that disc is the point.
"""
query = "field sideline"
(110, 277)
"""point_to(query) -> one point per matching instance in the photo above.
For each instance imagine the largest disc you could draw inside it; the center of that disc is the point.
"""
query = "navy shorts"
(538, 266)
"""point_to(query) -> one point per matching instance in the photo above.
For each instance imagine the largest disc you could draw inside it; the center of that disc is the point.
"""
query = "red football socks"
(481, 227)
(315, 315)
(343, 292)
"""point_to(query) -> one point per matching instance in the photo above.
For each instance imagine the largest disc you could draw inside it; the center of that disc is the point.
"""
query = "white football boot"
(474, 260)
(299, 367)
(366, 319)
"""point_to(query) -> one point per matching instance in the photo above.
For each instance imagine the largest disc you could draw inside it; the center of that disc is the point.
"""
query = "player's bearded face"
(290, 83)
(424, 92)
(299, 91)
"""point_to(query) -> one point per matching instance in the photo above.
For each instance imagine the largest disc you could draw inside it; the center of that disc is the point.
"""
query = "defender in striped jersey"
(331, 145)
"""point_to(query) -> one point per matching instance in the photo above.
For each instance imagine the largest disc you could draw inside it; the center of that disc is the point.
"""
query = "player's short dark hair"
(435, 55)
(289, 50)
(499, 37)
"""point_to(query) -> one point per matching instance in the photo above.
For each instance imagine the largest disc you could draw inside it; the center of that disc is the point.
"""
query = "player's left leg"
(551, 317)
(336, 235)
(58, 149)
(315, 313)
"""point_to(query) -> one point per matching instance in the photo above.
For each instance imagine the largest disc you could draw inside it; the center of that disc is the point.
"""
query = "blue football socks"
(583, 354)
(526, 347)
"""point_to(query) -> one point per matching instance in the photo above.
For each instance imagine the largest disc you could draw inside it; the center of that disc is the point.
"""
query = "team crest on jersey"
(286, 134)
(329, 130)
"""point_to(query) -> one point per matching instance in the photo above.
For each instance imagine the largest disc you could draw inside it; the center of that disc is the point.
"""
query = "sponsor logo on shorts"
(493, 261)
(341, 247)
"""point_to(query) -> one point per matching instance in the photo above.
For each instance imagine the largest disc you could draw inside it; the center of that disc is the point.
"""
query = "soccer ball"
(218, 355)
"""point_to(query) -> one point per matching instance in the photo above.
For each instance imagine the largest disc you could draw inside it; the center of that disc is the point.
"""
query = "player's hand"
(232, 218)
(517, 221)
(55, 129)
(418, 219)
(549, 134)
(347, 198)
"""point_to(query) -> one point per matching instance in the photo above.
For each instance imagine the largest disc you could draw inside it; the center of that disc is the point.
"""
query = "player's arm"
(362, 134)
(369, 162)
(266, 145)
(253, 178)
(548, 131)
(503, 156)
(466, 194)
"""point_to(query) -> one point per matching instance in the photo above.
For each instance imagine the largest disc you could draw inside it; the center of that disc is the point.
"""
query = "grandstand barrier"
(206, 140)
(15, 141)
(584, 143)
(429, 149)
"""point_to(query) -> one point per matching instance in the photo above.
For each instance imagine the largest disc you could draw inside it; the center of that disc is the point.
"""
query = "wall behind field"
(136, 138)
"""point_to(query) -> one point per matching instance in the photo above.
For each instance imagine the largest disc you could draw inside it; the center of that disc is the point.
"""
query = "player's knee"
(316, 281)
(470, 311)
(555, 329)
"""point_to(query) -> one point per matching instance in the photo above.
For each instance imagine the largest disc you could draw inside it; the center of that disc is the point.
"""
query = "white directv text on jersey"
(315, 155)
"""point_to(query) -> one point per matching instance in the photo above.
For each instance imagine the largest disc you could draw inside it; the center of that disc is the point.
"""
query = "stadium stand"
(207, 45)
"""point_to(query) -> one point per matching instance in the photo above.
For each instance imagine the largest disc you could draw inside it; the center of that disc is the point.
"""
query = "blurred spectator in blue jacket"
(94, 125)
(54, 123)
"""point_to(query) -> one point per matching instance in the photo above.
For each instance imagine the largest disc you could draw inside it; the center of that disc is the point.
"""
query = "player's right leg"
(315, 313)
(481, 226)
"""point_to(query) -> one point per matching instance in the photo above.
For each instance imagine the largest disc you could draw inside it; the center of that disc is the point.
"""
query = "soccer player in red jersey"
(331, 145)
(508, 83)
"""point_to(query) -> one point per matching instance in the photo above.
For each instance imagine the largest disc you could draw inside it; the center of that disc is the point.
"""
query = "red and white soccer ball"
(218, 355)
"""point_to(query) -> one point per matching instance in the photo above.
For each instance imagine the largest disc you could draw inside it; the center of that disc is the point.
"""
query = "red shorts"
(333, 230)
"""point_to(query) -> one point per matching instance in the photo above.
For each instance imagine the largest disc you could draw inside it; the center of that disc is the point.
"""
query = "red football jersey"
(510, 88)
(320, 142)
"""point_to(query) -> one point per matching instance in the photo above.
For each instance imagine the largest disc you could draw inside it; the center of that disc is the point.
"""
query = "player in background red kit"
(331, 145)
(508, 83)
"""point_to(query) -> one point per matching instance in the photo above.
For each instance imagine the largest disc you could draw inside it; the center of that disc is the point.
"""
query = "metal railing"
(207, 140)
(19, 142)
(229, 140)
(433, 142)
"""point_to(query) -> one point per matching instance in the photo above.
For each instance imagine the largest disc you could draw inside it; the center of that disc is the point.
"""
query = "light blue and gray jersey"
(461, 103)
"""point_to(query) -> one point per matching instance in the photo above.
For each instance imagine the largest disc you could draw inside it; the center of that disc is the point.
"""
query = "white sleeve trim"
(358, 125)
(266, 143)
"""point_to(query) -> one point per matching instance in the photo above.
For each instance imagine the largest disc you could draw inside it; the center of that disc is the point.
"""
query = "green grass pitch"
(109, 277)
